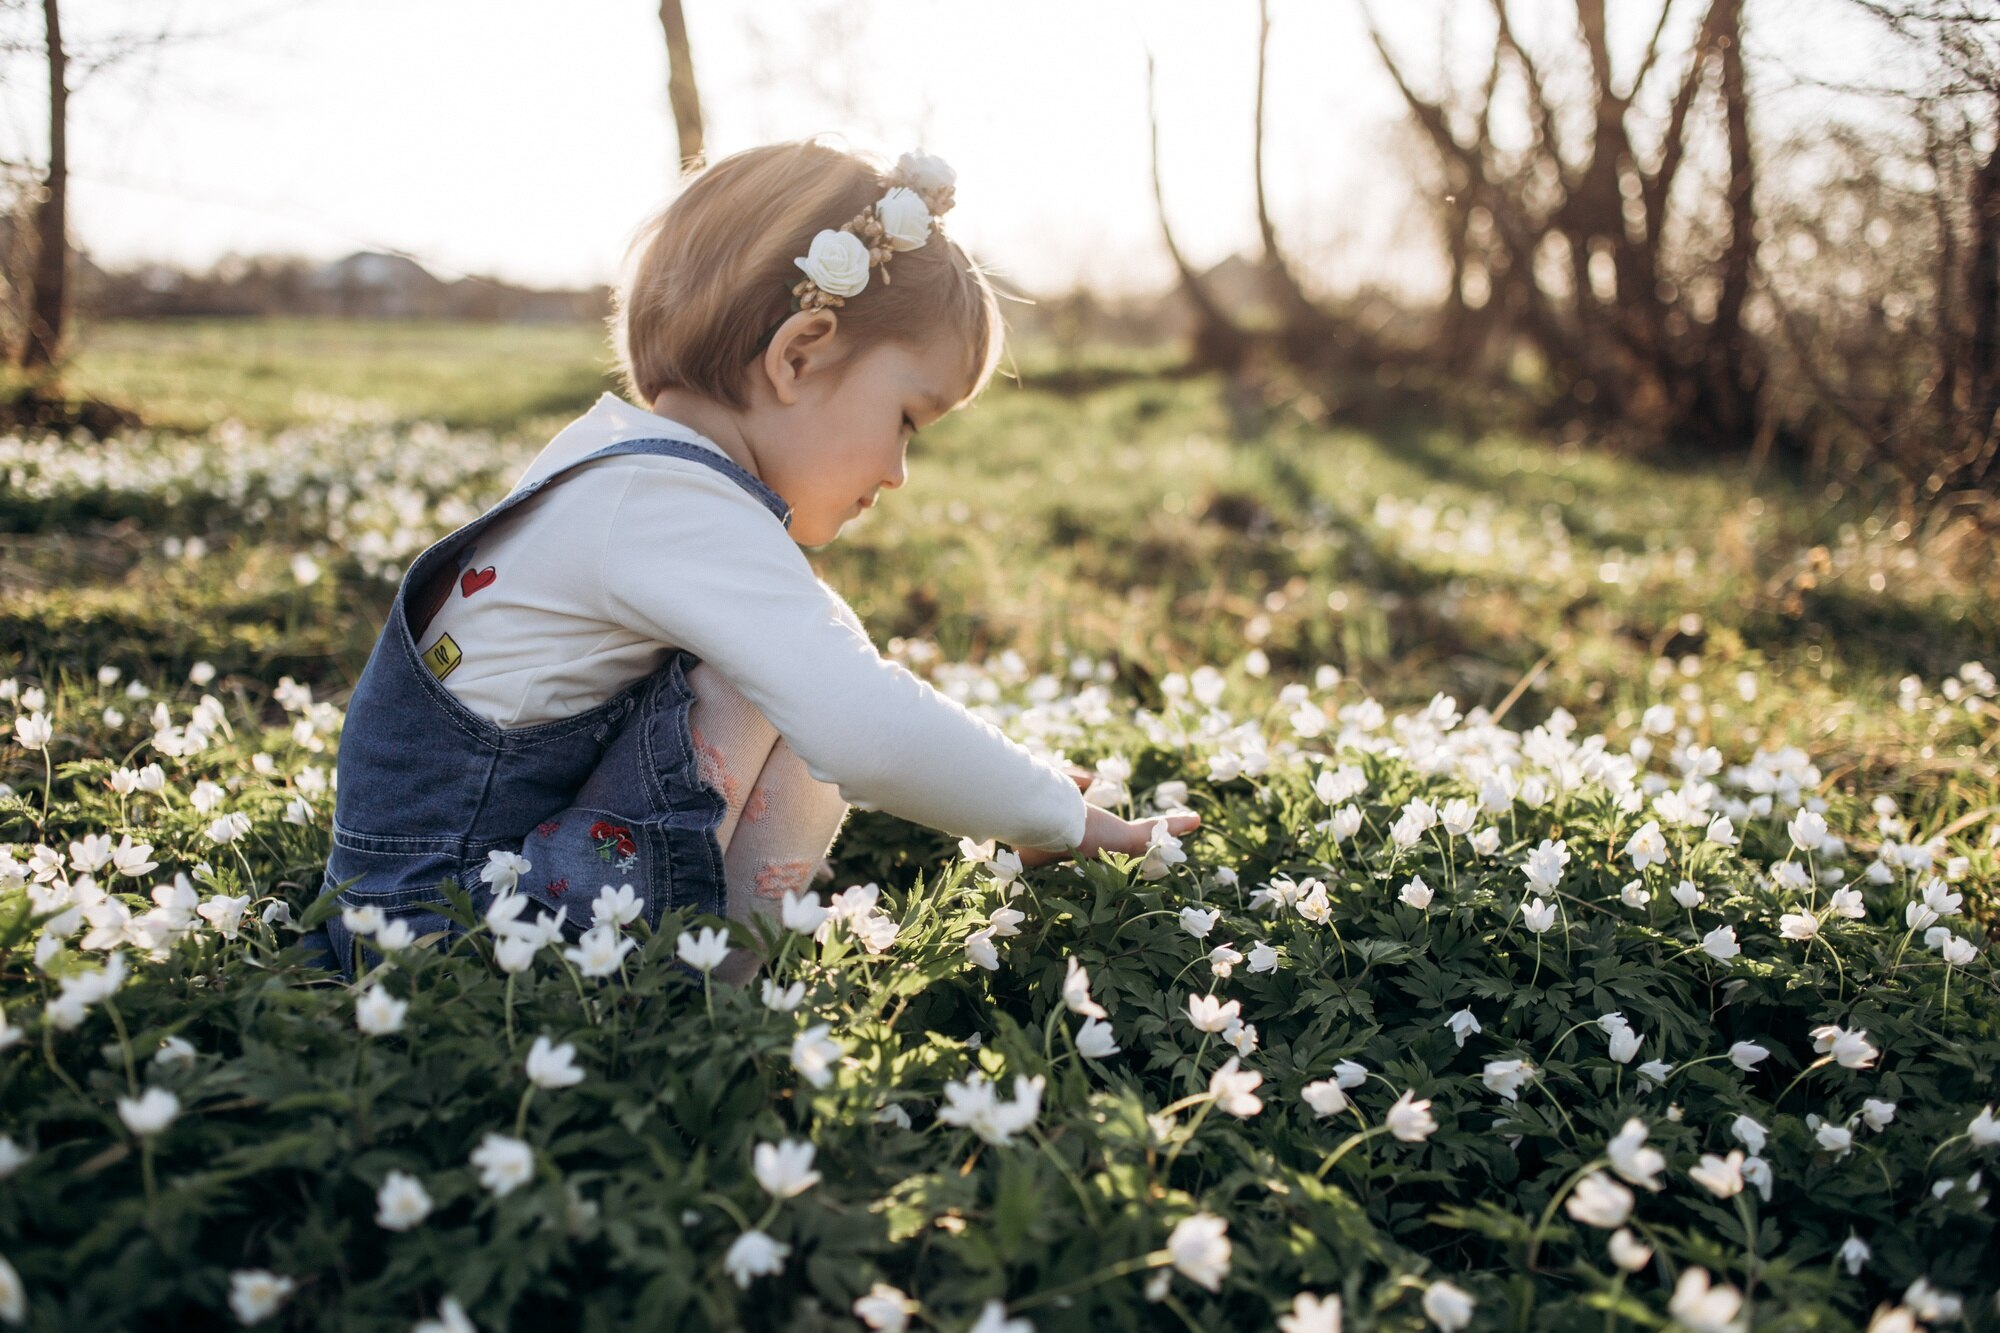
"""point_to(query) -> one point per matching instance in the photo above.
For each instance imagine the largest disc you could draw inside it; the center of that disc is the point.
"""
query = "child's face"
(842, 438)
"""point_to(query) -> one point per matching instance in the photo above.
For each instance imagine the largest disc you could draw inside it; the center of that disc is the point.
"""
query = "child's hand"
(1106, 832)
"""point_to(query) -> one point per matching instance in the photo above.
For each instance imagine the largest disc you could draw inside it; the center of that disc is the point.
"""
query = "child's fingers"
(1179, 824)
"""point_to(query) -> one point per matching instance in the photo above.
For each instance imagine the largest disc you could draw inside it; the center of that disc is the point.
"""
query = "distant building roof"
(371, 268)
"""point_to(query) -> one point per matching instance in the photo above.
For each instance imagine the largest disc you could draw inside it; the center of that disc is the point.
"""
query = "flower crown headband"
(836, 265)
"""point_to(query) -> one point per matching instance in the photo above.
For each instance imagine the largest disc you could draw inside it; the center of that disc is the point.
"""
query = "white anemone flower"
(784, 1168)
(503, 870)
(1507, 1077)
(1197, 922)
(1200, 1250)
(600, 951)
(1325, 1096)
(1209, 1014)
(1312, 1314)
(149, 1113)
(1630, 1157)
(1748, 1054)
(616, 907)
(1703, 1307)
(1410, 1119)
(1628, 1252)
(1076, 991)
(1447, 1306)
(754, 1254)
(1600, 1201)
(1234, 1089)
(378, 1013)
(814, 1052)
(783, 999)
(1095, 1041)
(884, 1308)
(552, 1066)
(505, 1163)
(255, 1294)
(705, 951)
(402, 1202)
(1720, 1176)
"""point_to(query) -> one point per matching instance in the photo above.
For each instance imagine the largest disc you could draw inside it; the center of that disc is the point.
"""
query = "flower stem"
(1548, 1213)
(124, 1046)
(1198, 1053)
(1744, 1210)
(512, 1046)
(1166, 1172)
(1117, 1270)
(1823, 1060)
(1352, 1141)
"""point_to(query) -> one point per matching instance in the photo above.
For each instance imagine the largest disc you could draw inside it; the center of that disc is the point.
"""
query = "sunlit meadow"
(1588, 926)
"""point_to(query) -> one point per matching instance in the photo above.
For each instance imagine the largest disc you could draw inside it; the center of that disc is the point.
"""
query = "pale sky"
(525, 139)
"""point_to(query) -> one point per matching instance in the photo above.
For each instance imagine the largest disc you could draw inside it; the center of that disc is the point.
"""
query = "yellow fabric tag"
(443, 657)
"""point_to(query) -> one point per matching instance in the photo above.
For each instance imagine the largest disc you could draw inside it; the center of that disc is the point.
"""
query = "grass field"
(1123, 521)
(1697, 860)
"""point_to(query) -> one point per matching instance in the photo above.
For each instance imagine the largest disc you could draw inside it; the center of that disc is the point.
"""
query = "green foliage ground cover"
(1112, 579)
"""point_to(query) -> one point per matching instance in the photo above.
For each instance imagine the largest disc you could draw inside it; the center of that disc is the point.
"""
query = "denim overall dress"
(427, 788)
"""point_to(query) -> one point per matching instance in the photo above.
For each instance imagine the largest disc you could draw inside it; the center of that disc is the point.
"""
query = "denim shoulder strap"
(428, 581)
(670, 448)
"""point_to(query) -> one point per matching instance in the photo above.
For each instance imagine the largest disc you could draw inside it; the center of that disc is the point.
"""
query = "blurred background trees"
(1636, 246)
(1628, 248)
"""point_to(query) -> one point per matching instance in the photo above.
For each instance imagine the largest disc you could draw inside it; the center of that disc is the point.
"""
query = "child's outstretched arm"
(1106, 832)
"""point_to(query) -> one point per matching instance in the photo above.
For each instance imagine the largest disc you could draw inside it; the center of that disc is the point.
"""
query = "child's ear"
(803, 344)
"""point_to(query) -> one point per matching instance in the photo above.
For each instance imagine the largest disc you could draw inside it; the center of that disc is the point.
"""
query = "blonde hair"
(707, 276)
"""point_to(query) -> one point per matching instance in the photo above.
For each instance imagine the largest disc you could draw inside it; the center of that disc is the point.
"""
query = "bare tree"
(1618, 327)
(1304, 324)
(682, 94)
(1905, 384)
(1219, 344)
(48, 292)
(44, 277)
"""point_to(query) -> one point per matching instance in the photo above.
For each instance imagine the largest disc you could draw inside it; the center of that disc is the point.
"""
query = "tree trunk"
(43, 335)
(681, 92)
(1218, 343)
(1730, 355)
(1983, 290)
(1309, 334)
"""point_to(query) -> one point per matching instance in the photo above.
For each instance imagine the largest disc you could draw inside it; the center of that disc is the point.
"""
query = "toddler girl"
(626, 672)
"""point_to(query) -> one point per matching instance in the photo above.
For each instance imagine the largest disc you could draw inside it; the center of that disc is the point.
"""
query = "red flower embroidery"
(559, 888)
(613, 840)
(548, 830)
(756, 807)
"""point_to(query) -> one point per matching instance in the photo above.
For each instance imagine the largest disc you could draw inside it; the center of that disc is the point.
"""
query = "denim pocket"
(401, 887)
(575, 855)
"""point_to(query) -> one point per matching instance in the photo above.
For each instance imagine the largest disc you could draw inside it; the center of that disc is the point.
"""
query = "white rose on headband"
(925, 172)
(837, 263)
(905, 220)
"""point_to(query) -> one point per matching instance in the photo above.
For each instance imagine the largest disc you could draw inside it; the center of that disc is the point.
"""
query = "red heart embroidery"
(472, 580)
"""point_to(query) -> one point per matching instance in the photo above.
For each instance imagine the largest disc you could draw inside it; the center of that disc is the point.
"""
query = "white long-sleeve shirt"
(592, 583)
